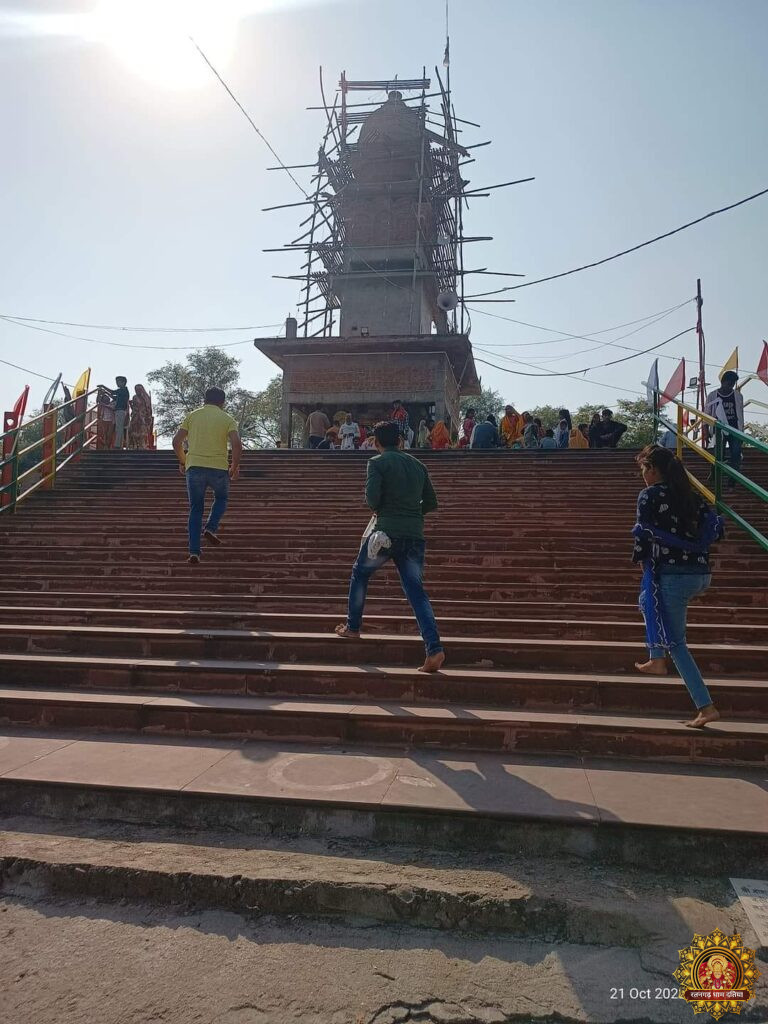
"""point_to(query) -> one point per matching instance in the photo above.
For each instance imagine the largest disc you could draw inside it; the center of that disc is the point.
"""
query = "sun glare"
(152, 37)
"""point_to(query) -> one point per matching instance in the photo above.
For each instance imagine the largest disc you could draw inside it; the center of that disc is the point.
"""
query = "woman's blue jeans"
(676, 590)
(408, 556)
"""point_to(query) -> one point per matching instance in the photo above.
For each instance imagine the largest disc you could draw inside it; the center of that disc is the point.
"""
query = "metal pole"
(10, 469)
(48, 468)
(701, 393)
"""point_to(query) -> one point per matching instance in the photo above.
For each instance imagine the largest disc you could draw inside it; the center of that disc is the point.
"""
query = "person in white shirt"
(349, 432)
(727, 406)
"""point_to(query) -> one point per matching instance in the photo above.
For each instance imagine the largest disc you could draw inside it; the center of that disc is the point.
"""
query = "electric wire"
(641, 245)
(587, 369)
(123, 344)
(24, 369)
(249, 119)
(613, 343)
(567, 336)
(147, 330)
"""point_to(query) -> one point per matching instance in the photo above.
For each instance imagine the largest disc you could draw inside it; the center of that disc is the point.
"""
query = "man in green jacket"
(399, 491)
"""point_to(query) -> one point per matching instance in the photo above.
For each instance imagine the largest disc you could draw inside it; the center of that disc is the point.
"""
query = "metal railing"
(700, 425)
(61, 443)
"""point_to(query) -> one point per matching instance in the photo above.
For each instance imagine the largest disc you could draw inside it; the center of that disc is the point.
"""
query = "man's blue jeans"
(408, 556)
(199, 479)
(677, 589)
(734, 456)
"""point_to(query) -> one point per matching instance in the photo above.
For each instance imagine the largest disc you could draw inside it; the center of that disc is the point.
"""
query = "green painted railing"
(699, 423)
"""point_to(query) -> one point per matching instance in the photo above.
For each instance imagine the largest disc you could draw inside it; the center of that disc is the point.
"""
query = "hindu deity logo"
(717, 974)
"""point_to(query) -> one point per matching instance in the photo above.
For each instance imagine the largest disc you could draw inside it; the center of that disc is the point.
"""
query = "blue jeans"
(734, 456)
(677, 589)
(408, 556)
(199, 479)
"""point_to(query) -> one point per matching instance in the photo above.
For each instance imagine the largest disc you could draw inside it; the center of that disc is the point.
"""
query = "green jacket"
(399, 491)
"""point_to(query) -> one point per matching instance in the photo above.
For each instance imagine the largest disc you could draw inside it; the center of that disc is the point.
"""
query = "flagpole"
(701, 391)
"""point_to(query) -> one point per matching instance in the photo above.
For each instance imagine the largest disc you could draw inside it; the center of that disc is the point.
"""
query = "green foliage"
(639, 419)
(758, 430)
(485, 404)
(585, 413)
(178, 388)
(548, 414)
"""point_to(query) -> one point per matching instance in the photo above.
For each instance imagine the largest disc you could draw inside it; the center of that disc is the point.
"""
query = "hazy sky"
(132, 187)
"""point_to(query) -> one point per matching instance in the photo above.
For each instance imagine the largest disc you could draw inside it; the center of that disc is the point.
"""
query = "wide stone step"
(259, 556)
(739, 659)
(615, 628)
(177, 605)
(533, 689)
(453, 726)
(216, 587)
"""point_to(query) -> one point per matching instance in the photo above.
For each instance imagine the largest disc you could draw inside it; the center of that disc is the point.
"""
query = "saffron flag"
(652, 384)
(676, 384)
(762, 366)
(731, 363)
(82, 383)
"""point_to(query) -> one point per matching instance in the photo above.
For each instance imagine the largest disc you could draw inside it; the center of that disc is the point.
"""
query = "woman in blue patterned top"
(674, 530)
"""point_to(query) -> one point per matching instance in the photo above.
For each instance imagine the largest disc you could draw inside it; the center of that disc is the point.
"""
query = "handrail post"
(10, 469)
(718, 467)
(679, 431)
(48, 468)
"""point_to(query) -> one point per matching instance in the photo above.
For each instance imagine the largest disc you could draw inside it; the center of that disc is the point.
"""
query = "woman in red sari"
(466, 428)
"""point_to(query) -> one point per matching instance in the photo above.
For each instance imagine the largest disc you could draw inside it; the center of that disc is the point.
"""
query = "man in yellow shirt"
(205, 464)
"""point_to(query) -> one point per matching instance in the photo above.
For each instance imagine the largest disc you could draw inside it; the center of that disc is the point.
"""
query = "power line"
(148, 330)
(613, 343)
(641, 245)
(249, 119)
(121, 344)
(567, 336)
(25, 370)
(572, 373)
(584, 380)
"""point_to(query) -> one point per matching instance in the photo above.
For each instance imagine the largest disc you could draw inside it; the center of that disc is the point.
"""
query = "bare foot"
(433, 663)
(343, 630)
(655, 667)
(194, 560)
(211, 537)
(704, 717)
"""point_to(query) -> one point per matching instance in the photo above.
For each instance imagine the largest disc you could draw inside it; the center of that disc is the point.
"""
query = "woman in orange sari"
(440, 436)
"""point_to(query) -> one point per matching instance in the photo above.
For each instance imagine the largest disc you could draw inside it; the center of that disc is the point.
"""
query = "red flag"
(762, 366)
(675, 386)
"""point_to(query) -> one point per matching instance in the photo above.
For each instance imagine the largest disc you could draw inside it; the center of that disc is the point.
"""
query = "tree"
(639, 419)
(758, 430)
(180, 387)
(548, 414)
(585, 413)
(489, 402)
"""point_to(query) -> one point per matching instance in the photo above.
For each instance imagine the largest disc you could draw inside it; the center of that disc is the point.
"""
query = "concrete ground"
(87, 962)
(126, 926)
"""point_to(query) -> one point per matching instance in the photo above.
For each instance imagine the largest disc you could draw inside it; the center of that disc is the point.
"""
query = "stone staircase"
(127, 674)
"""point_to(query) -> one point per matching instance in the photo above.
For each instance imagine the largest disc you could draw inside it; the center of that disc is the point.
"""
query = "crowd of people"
(514, 431)
(124, 421)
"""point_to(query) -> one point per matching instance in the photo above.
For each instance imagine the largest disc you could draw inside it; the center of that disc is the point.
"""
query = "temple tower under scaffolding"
(383, 250)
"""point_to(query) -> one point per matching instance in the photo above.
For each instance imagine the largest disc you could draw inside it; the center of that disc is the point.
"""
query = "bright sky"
(132, 187)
